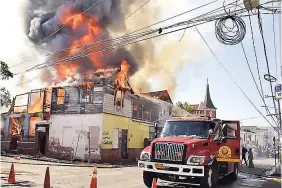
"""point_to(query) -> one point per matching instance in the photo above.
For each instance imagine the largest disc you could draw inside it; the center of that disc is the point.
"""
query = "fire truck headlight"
(145, 156)
(196, 159)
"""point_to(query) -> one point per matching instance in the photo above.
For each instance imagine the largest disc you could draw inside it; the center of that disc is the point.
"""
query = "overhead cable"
(235, 81)
(266, 58)
(97, 40)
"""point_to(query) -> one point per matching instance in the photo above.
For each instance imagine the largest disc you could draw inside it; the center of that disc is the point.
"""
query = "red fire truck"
(195, 151)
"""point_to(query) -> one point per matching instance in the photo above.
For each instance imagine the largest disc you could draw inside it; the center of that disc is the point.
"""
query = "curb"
(56, 163)
(66, 165)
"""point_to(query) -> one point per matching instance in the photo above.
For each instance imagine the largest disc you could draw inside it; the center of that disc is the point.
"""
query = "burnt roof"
(162, 95)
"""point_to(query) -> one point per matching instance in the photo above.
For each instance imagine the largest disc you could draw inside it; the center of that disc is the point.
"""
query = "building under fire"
(105, 106)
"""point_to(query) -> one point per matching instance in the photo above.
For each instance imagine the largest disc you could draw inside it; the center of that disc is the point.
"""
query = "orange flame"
(36, 104)
(77, 21)
(32, 121)
(122, 77)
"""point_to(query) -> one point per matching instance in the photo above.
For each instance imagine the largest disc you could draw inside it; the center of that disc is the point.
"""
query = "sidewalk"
(53, 162)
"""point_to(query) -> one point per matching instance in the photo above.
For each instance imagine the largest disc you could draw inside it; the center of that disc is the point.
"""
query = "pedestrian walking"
(250, 158)
(244, 152)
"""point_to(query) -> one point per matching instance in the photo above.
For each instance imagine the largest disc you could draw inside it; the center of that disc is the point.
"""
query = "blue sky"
(228, 99)
(199, 63)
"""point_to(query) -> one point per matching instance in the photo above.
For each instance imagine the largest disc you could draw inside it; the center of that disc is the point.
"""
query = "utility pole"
(278, 96)
(274, 150)
(278, 116)
(280, 122)
(88, 136)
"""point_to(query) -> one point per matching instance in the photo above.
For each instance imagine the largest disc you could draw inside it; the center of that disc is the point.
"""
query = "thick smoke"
(47, 19)
(146, 61)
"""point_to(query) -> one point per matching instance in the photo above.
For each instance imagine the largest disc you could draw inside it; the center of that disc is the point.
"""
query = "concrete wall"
(112, 126)
(68, 136)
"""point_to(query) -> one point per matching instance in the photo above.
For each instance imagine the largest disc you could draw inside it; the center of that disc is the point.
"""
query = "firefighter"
(244, 152)
(251, 157)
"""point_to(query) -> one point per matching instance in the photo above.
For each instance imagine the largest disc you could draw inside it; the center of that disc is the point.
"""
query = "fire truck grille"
(169, 152)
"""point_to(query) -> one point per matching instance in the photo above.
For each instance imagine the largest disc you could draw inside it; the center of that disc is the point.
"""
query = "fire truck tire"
(211, 177)
(234, 174)
(148, 178)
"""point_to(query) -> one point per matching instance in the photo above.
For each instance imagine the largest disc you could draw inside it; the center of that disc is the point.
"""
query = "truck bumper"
(173, 169)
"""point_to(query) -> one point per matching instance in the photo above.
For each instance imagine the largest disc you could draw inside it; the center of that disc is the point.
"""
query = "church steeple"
(208, 102)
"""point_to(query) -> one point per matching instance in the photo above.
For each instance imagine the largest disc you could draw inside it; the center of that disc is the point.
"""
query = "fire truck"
(194, 151)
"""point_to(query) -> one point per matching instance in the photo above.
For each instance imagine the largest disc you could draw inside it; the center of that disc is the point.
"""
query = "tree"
(5, 74)
(185, 106)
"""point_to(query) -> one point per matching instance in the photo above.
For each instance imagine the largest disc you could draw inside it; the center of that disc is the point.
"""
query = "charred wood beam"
(110, 78)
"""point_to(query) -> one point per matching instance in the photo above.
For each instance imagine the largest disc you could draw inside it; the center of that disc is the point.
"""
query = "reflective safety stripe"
(228, 160)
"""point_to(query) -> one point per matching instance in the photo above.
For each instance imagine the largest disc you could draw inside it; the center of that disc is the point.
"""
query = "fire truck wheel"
(211, 177)
(148, 178)
(234, 174)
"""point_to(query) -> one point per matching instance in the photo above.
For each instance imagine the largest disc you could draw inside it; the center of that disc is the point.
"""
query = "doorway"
(42, 143)
(124, 137)
(42, 134)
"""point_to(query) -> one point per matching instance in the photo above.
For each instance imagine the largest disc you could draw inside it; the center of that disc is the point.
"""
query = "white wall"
(70, 131)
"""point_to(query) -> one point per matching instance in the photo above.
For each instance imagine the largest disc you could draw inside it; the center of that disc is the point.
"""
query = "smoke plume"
(44, 17)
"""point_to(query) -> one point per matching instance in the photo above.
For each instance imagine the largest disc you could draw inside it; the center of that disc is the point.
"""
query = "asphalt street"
(31, 174)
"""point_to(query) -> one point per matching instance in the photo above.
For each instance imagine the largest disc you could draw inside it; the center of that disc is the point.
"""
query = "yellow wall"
(137, 131)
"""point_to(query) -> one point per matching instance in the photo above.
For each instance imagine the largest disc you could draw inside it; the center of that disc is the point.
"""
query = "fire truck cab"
(195, 151)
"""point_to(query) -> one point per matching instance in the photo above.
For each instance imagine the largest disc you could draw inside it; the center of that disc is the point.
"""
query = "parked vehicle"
(195, 151)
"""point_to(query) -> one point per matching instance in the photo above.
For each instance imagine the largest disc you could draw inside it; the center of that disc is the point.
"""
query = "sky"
(199, 65)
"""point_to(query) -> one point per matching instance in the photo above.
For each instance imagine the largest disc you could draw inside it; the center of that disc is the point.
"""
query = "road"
(32, 174)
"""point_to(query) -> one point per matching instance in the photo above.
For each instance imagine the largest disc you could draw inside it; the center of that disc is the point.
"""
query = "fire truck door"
(229, 151)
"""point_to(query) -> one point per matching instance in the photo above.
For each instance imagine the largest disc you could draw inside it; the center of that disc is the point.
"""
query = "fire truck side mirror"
(224, 139)
(224, 130)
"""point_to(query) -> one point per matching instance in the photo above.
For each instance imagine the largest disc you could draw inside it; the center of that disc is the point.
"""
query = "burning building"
(105, 106)
(89, 92)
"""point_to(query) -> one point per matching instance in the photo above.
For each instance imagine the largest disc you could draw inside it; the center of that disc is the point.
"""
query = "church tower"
(209, 110)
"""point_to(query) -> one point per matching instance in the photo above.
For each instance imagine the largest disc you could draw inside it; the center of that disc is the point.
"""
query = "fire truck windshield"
(197, 129)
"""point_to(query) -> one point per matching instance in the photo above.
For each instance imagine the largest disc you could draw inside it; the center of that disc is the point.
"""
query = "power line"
(130, 43)
(257, 64)
(110, 48)
(233, 79)
(137, 9)
(255, 117)
(135, 36)
(65, 49)
(274, 42)
(266, 58)
(247, 61)
(155, 30)
(63, 26)
(123, 21)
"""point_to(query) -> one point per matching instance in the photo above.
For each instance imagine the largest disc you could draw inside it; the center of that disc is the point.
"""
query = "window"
(231, 133)
(231, 130)
(197, 129)
(118, 98)
(60, 96)
(87, 94)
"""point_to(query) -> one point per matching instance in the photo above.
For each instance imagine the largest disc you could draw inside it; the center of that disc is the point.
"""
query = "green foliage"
(5, 71)
(5, 97)
(5, 74)
(185, 106)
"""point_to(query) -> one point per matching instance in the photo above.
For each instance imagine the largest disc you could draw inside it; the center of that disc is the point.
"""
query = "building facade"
(260, 139)
(99, 121)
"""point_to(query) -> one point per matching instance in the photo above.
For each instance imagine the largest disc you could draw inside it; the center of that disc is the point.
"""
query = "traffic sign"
(278, 95)
(278, 88)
